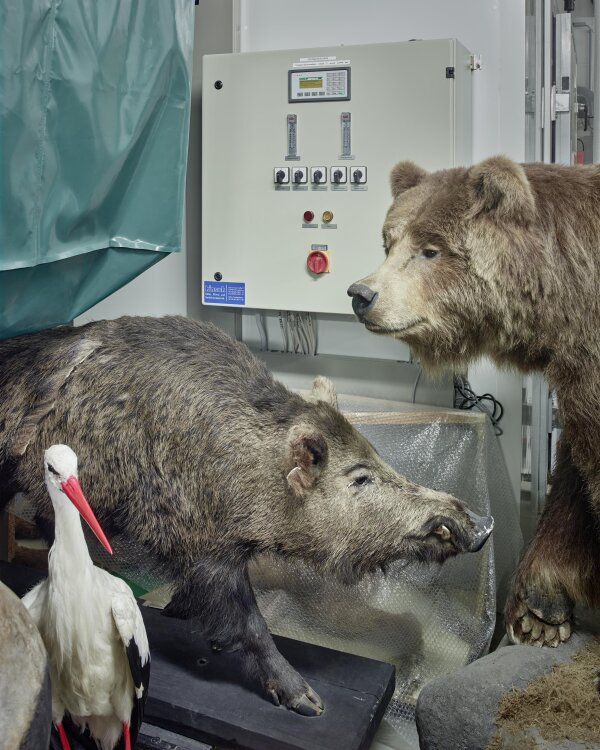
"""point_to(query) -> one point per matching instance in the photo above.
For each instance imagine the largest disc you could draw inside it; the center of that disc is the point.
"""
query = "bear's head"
(458, 244)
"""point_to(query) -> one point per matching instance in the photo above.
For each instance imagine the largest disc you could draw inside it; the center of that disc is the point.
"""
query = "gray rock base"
(458, 711)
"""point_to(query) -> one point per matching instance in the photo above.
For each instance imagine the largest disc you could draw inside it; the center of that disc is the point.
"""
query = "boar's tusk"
(296, 468)
(443, 532)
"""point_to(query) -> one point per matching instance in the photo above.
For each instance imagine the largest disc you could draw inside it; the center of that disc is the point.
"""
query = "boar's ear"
(405, 175)
(324, 390)
(499, 187)
(307, 455)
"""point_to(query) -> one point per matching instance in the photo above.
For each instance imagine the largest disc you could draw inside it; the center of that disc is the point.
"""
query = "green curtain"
(94, 120)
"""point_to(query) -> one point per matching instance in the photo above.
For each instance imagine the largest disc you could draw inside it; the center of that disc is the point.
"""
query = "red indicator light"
(318, 262)
(308, 216)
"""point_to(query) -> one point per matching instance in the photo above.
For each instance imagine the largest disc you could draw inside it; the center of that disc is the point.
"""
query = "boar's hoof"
(308, 705)
(304, 701)
(538, 619)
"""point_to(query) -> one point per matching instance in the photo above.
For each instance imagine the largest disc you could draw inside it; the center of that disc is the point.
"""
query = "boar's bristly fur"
(200, 460)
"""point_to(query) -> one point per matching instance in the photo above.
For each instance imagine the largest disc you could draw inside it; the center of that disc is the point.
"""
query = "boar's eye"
(429, 252)
(361, 480)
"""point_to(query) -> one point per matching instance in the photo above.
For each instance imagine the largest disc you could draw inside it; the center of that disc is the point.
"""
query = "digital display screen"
(320, 84)
(310, 83)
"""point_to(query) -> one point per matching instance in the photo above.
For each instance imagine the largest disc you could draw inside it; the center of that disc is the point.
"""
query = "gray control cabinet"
(297, 150)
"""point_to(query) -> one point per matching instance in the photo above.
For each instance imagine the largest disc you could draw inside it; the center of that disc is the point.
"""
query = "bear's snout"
(363, 299)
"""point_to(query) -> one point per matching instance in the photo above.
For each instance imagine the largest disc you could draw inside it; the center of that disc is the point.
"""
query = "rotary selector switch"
(317, 262)
(318, 175)
(359, 175)
(281, 175)
(300, 175)
(339, 175)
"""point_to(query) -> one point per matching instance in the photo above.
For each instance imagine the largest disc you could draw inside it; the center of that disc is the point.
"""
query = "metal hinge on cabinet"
(475, 62)
(558, 103)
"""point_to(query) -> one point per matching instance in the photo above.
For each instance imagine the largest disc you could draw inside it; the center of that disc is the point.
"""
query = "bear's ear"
(405, 175)
(499, 187)
(324, 390)
(306, 458)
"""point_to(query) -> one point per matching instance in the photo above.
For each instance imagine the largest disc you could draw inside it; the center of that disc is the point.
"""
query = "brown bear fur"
(503, 260)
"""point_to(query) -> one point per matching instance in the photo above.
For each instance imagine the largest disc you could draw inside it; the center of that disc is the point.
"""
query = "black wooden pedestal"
(200, 694)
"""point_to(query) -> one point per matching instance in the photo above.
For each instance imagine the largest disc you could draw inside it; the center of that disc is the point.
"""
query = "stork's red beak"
(73, 491)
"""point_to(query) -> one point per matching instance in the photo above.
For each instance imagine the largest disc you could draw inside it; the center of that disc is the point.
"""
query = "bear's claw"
(538, 619)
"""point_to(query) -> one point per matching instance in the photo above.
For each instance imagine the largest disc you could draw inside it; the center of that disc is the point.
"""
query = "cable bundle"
(466, 398)
(298, 332)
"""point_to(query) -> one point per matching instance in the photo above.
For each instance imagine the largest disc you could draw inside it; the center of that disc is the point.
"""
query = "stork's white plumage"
(90, 623)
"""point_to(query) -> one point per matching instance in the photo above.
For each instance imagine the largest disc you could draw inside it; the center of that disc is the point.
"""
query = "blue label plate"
(225, 292)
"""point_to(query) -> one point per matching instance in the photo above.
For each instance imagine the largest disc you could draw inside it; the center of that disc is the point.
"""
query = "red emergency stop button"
(308, 216)
(318, 262)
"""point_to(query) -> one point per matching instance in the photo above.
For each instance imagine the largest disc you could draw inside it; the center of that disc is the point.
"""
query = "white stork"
(90, 623)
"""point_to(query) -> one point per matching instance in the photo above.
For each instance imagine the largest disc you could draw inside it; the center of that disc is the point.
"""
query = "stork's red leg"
(64, 742)
(126, 736)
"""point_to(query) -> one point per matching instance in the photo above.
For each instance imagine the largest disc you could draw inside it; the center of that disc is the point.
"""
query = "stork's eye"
(52, 470)
(429, 252)
(362, 480)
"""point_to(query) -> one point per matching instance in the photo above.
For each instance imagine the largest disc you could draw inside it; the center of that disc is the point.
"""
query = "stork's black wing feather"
(130, 626)
(141, 678)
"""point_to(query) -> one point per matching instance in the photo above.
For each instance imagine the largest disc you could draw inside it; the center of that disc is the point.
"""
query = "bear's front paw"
(292, 691)
(536, 618)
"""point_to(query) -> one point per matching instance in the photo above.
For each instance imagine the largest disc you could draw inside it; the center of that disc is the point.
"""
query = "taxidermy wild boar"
(199, 458)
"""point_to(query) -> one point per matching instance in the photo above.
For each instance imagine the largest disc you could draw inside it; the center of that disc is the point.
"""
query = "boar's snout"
(445, 535)
(482, 528)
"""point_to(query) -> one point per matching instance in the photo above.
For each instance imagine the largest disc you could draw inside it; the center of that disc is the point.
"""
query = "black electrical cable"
(466, 398)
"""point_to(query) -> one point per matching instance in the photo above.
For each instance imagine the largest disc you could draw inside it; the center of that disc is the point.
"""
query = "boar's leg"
(560, 566)
(220, 596)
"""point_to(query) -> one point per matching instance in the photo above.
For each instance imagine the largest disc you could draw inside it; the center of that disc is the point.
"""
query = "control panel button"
(358, 175)
(339, 175)
(281, 175)
(300, 175)
(308, 216)
(327, 217)
(318, 262)
(318, 175)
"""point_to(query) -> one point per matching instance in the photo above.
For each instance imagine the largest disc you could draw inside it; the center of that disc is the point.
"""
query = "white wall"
(493, 28)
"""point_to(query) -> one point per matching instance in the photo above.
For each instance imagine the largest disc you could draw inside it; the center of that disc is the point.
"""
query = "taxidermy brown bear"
(503, 260)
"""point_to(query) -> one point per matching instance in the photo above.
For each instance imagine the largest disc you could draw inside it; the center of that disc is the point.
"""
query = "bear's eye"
(429, 252)
(361, 480)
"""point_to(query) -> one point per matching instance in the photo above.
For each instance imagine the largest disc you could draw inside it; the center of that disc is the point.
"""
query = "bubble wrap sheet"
(427, 620)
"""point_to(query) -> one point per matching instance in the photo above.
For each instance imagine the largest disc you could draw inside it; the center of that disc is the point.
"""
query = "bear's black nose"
(363, 299)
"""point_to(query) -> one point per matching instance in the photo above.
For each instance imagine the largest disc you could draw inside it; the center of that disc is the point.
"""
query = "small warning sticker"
(224, 293)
